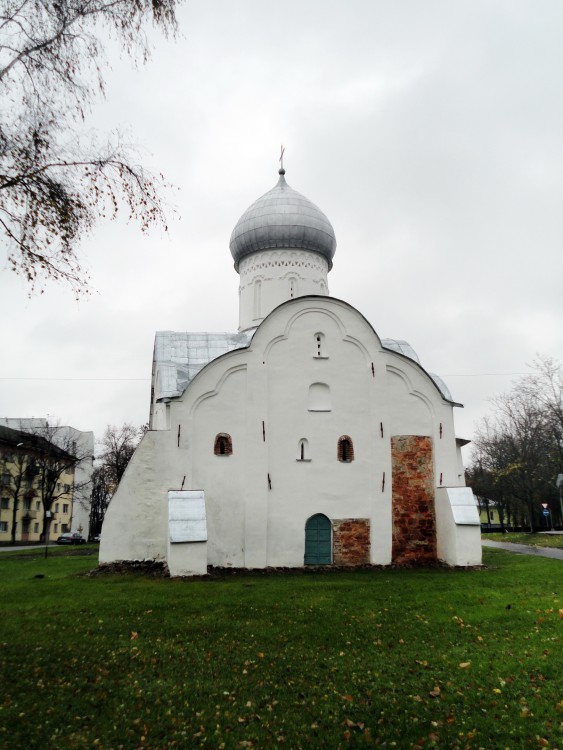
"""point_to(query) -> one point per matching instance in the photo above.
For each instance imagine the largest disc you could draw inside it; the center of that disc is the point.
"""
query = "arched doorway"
(318, 540)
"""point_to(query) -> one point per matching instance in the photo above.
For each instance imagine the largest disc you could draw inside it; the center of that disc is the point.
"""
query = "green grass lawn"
(375, 658)
(536, 540)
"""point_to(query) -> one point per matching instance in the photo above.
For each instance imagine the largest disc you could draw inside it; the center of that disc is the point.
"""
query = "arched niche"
(319, 397)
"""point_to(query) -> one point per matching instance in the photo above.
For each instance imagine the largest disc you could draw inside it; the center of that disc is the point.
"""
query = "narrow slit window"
(223, 445)
(303, 450)
(292, 287)
(319, 346)
(257, 298)
(345, 451)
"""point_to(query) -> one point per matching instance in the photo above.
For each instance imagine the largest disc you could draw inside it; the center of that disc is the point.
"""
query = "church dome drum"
(282, 219)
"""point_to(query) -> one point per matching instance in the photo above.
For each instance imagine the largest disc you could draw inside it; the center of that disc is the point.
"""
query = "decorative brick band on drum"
(351, 541)
(414, 524)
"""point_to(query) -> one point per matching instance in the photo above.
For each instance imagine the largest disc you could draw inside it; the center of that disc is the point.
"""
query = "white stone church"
(303, 439)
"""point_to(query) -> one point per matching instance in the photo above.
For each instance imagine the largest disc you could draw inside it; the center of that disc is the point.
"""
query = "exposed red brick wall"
(414, 523)
(350, 541)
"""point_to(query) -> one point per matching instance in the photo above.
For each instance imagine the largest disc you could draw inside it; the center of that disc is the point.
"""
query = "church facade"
(302, 439)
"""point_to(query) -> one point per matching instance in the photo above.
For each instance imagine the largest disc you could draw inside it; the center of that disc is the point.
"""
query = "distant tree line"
(518, 451)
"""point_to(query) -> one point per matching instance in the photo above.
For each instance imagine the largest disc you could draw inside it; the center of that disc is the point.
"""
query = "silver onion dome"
(282, 219)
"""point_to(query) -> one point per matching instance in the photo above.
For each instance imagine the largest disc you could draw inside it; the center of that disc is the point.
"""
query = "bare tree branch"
(54, 182)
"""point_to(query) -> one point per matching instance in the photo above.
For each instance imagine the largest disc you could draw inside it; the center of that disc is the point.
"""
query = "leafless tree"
(545, 385)
(55, 179)
(102, 491)
(34, 465)
(55, 452)
(518, 452)
(118, 445)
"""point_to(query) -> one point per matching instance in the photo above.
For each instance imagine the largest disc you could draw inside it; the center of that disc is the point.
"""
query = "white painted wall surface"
(266, 387)
(136, 521)
(271, 277)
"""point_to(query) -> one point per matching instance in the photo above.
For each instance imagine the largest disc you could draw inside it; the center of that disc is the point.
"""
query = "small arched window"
(223, 445)
(345, 449)
(303, 450)
(292, 287)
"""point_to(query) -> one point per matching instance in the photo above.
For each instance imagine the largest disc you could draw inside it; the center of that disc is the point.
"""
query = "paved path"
(16, 547)
(525, 549)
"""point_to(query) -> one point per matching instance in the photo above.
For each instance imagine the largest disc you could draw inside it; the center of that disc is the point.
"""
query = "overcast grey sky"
(431, 134)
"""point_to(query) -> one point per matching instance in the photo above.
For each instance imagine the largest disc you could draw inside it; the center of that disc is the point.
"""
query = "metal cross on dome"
(281, 156)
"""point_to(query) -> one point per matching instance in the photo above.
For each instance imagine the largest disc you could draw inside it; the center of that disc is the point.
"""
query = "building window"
(56, 528)
(345, 449)
(320, 346)
(3, 526)
(67, 488)
(223, 445)
(6, 479)
(303, 450)
(27, 504)
(56, 508)
(65, 508)
(292, 287)
(64, 528)
(38, 505)
(35, 528)
(5, 503)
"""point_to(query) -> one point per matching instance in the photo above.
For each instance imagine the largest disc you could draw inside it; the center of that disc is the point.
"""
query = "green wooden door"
(318, 540)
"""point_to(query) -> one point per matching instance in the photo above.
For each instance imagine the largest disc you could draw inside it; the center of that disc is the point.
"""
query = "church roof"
(403, 347)
(282, 219)
(178, 357)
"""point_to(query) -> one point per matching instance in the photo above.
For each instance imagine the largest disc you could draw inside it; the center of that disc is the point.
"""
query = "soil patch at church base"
(159, 569)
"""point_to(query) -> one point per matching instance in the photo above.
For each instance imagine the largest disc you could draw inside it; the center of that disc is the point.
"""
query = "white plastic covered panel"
(178, 357)
(464, 506)
(186, 516)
